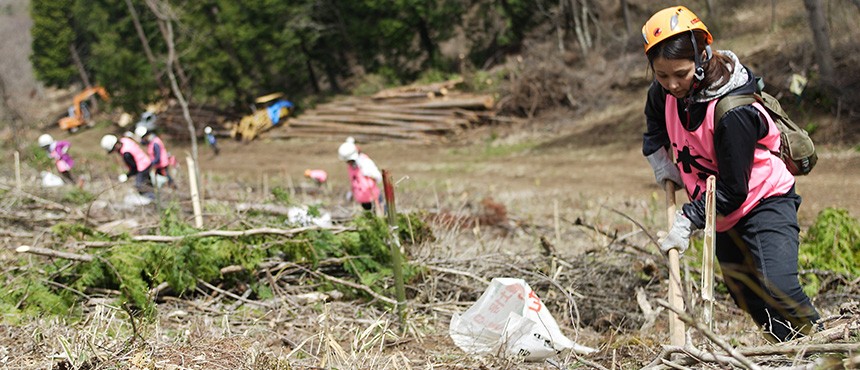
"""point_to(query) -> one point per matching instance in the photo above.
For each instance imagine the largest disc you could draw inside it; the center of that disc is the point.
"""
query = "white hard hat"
(45, 140)
(108, 142)
(348, 151)
(207, 130)
(140, 131)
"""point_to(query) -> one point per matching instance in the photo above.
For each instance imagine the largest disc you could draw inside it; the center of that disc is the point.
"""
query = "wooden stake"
(557, 224)
(195, 195)
(676, 326)
(396, 258)
(17, 170)
(708, 250)
(265, 185)
(290, 185)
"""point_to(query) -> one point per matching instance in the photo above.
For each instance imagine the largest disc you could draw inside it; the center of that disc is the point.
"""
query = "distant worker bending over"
(59, 152)
(319, 177)
(135, 159)
(364, 176)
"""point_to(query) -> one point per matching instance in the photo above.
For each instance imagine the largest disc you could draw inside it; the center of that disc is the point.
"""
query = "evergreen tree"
(53, 35)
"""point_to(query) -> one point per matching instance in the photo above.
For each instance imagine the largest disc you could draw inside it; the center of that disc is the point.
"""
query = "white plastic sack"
(509, 319)
(49, 180)
(136, 200)
(300, 216)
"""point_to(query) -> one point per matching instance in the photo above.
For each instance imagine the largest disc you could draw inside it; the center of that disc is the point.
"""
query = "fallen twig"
(235, 233)
(687, 319)
(350, 284)
(456, 272)
(53, 253)
(234, 296)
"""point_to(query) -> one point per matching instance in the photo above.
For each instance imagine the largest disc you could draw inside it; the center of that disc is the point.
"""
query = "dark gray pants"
(758, 257)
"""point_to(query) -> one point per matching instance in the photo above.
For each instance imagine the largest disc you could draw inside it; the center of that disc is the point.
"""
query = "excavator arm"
(72, 123)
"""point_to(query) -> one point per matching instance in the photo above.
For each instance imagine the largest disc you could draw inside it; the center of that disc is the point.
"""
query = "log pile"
(424, 113)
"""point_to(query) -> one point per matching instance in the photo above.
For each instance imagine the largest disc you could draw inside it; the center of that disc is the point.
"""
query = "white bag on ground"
(49, 180)
(510, 320)
(301, 217)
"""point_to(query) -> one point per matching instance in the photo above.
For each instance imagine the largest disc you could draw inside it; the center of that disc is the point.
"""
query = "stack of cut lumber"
(418, 113)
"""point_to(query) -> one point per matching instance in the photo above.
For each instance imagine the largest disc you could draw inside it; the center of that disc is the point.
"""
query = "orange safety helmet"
(672, 21)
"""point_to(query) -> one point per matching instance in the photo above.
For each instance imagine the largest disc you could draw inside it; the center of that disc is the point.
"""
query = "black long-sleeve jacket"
(735, 137)
(132, 165)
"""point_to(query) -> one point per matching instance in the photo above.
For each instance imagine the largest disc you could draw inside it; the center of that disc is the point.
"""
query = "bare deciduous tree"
(821, 38)
(165, 16)
(145, 43)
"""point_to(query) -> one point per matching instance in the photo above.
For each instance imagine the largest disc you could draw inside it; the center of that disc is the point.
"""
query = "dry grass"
(590, 290)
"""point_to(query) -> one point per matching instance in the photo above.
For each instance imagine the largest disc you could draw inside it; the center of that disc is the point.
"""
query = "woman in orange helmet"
(757, 229)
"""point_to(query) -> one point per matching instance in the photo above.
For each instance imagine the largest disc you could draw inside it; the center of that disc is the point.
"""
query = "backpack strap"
(730, 102)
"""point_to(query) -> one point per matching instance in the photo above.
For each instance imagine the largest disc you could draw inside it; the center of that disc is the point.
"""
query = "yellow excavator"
(79, 112)
(270, 111)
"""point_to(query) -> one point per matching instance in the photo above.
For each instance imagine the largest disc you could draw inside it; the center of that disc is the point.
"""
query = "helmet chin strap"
(699, 73)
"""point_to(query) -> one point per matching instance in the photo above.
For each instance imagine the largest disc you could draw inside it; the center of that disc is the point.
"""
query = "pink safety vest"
(319, 175)
(150, 148)
(59, 152)
(364, 189)
(140, 158)
(696, 159)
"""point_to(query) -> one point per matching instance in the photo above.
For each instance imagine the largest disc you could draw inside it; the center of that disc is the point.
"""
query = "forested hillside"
(224, 53)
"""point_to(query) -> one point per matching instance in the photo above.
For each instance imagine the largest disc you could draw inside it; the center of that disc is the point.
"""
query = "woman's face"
(675, 75)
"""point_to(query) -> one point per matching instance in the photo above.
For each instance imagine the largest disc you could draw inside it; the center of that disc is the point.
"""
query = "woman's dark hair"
(680, 46)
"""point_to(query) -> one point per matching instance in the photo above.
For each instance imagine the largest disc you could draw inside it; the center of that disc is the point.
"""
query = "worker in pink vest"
(134, 157)
(757, 229)
(59, 152)
(364, 176)
(161, 159)
(318, 176)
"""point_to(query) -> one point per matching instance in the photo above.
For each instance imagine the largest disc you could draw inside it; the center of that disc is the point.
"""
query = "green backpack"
(796, 148)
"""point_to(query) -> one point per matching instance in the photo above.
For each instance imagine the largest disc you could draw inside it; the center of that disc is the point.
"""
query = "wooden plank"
(481, 102)
(365, 128)
(362, 120)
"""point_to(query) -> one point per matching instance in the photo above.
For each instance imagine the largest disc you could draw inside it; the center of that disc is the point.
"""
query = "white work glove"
(679, 234)
(122, 178)
(664, 169)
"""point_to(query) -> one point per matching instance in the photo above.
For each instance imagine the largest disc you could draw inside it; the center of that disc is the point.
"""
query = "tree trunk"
(145, 43)
(312, 76)
(84, 76)
(165, 17)
(426, 40)
(580, 25)
(625, 13)
(821, 39)
(772, 15)
(14, 116)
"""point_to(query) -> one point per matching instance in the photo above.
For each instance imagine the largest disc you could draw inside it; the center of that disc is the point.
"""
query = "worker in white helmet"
(59, 152)
(364, 176)
(210, 139)
(161, 159)
(134, 157)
